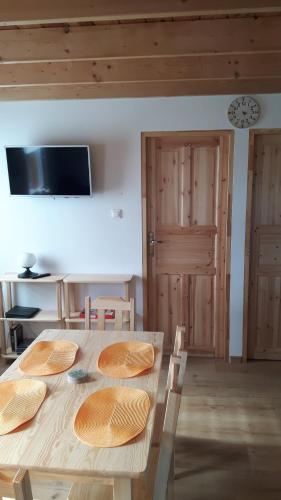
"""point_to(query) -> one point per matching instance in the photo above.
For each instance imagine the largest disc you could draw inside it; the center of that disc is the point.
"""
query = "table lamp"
(27, 260)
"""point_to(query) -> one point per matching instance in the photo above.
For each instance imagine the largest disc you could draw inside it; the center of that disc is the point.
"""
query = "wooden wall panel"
(157, 69)
(112, 51)
(141, 89)
(27, 12)
(142, 40)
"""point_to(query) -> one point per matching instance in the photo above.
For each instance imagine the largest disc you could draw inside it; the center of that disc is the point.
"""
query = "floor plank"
(228, 443)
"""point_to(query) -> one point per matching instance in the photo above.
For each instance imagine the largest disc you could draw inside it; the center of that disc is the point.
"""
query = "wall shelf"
(7, 288)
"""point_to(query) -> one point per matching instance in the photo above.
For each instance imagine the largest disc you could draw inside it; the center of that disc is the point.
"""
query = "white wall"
(78, 235)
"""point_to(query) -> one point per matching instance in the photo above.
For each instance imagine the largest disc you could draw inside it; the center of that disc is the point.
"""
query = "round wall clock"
(243, 112)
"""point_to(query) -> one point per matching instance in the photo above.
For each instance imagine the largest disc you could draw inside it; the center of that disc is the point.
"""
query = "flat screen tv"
(49, 170)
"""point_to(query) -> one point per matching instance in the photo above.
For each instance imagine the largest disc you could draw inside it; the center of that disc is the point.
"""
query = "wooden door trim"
(228, 136)
(252, 134)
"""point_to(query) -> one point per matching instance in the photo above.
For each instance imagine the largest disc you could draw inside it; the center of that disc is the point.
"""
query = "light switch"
(116, 213)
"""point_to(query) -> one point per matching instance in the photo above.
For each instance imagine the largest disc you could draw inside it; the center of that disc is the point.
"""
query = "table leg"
(122, 489)
(8, 296)
(66, 302)
(2, 326)
(59, 302)
(127, 297)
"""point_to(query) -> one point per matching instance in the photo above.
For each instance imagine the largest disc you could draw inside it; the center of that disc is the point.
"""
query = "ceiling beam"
(217, 36)
(17, 12)
(143, 70)
(147, 89)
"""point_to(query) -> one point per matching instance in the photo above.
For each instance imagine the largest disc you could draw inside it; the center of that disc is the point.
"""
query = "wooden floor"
(229, 433)
(228, 443)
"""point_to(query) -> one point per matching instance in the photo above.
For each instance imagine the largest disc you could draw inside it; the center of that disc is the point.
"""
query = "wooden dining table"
(47, 444)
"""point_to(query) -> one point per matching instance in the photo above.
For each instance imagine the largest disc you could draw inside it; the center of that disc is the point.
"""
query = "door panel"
(203, 186)
(185, 253)
(201, 314)
(169, 196)
(169, 306)
(265, 251)
(186, 186)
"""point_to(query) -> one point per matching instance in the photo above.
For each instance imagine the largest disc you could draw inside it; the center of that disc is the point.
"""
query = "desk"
(47, 444)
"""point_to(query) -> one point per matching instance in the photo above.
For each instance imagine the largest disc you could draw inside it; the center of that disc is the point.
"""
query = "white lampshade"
(26, 259)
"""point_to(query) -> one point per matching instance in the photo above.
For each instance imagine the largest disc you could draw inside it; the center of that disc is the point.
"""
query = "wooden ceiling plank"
(17, 12)
(142, 40)
(95, 91)
(143, 70)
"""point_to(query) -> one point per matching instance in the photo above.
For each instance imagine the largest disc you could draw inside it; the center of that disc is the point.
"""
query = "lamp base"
(27, 274)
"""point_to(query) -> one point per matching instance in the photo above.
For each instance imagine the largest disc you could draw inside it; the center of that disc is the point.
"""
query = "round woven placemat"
(112, 417)
(48, 357)
(20, 400)
(126, 359)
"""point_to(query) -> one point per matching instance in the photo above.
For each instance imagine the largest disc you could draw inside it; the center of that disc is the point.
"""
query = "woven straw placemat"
(19, 402)
(49, 357)
(112, 417)
(126, 359)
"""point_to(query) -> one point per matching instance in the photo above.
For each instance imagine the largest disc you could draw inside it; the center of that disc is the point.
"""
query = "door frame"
(225, 243)
(251, 159)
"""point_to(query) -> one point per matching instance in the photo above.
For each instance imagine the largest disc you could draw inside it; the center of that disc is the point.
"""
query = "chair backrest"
(176, 372)
(167, 443)
(17, 487)
(124, 313)
(179, 340)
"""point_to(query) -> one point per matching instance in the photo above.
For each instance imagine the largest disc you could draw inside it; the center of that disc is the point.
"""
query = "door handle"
(152, 242)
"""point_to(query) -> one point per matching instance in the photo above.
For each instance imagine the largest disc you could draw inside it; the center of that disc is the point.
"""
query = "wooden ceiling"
(136, 48)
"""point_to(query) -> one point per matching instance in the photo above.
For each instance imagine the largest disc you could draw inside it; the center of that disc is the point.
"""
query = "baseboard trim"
(236, 360)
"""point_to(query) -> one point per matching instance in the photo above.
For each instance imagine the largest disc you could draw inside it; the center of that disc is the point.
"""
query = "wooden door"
(264, 327)
(186, 190)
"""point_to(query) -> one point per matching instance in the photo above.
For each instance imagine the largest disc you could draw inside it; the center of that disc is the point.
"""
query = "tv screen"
(49, 170)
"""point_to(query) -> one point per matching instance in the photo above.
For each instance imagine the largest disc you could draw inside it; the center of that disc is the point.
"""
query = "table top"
(98, 278)
(47, 443)
(13, 278)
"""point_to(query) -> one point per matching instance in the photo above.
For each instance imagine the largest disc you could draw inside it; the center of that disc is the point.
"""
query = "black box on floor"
(16, 336)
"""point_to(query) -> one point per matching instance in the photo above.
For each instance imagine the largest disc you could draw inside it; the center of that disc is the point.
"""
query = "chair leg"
(170, 489)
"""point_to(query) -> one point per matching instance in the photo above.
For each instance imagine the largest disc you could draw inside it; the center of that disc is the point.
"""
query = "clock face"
(243, 112)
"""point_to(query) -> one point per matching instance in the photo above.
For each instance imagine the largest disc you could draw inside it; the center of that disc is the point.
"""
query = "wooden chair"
(17, 486)
(174, 365)
(158, 483)
(120, 307)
